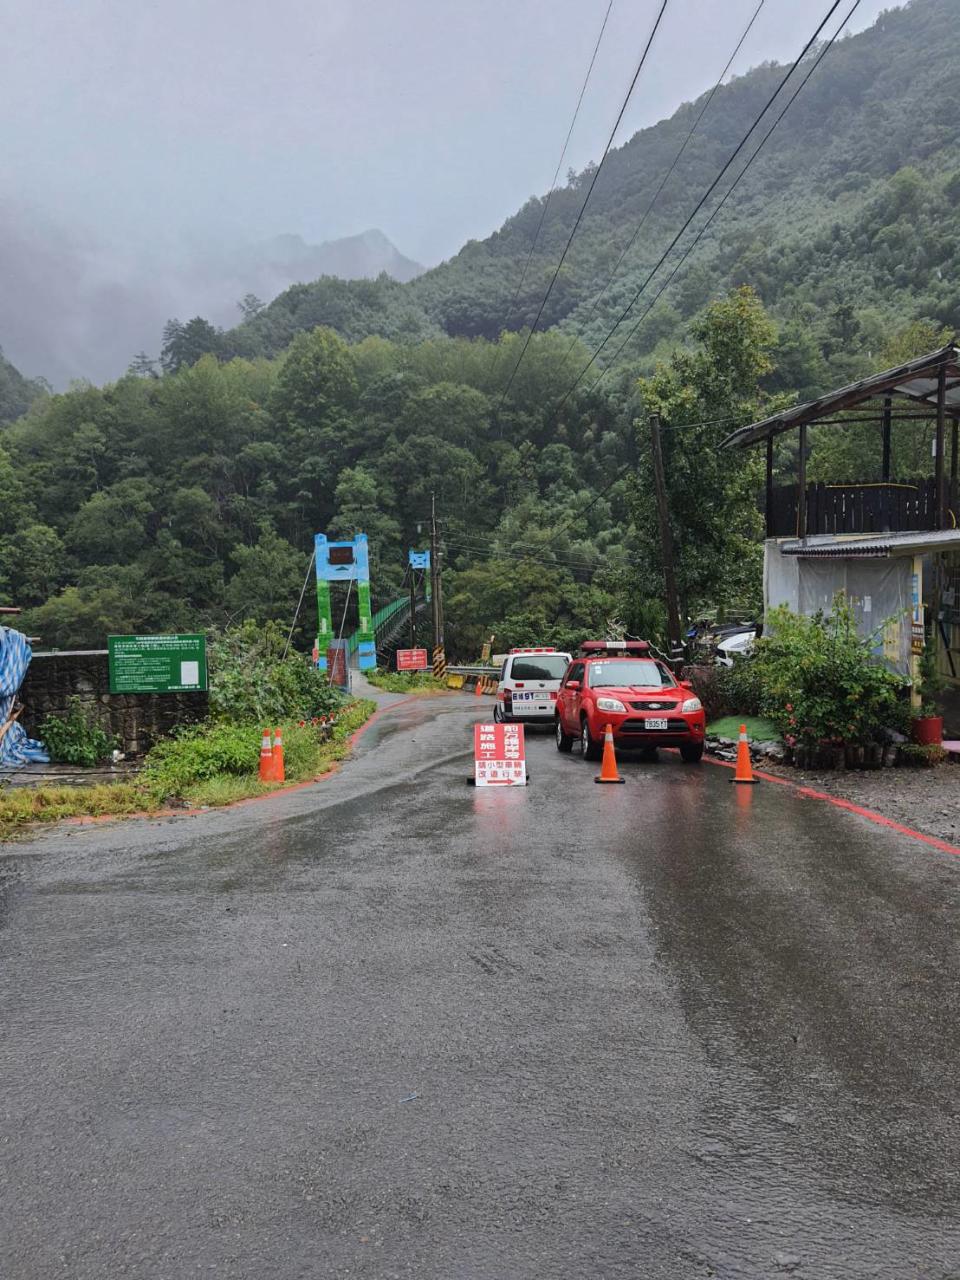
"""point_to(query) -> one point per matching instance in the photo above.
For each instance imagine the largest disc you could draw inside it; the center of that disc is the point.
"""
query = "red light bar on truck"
(533, 651)
(613, 648)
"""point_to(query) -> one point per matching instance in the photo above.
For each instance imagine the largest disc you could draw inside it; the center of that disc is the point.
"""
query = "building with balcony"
(892, 545)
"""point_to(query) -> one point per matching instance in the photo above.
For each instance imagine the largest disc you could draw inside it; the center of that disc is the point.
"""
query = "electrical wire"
(693, 244)
(679, 426)
(704, 198)
(553, 184)
(522, 549)
(669, 173)
(590, 571)
(586, 201)
(480, 546)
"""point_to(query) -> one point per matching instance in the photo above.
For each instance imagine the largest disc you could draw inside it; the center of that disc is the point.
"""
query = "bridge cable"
(303, 592)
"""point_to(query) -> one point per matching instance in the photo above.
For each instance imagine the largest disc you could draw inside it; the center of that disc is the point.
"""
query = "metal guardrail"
(474, 671)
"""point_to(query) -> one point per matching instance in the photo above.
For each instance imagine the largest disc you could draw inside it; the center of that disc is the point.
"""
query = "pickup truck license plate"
(656, 724)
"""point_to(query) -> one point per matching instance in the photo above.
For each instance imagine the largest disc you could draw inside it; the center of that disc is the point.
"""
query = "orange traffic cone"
(266, 758)
(479, 687)
(744, 773)
(608, 767)
(278, 774)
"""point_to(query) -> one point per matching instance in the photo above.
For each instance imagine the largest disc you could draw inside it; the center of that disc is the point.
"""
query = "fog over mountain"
(73, 305)
(154, 150)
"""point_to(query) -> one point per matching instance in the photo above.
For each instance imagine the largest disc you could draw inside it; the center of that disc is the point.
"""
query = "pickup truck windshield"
(628, 671)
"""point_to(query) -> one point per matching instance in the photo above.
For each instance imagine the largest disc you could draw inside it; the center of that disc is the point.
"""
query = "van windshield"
(629, 671)
(540, 666)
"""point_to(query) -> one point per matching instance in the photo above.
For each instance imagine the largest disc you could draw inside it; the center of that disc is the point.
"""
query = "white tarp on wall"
(879, 592)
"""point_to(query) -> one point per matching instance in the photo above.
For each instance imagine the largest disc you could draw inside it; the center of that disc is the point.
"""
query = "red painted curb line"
(90, 820)
(870, 814)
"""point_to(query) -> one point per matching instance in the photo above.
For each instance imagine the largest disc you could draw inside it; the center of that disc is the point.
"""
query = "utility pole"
(666, 541)
(439, 656)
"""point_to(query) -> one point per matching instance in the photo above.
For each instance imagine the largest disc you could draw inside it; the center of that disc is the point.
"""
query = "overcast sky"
(143, 126)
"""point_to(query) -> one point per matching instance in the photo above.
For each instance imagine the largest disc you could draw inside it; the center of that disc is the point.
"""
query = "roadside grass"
(305, 757)
(22, 806)
(405, 681)
(758, 728)
(212, 765)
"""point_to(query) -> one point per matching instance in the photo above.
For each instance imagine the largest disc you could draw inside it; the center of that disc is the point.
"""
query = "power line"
(553, 184)
(702, 201)
(589, 570)
(586, 201)
(527, 550)
(680, 426)
(493, 553)
(669, 173)
(696, 240)
(481, 544)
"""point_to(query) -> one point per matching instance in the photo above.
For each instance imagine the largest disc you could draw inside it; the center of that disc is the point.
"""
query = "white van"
(529, 680)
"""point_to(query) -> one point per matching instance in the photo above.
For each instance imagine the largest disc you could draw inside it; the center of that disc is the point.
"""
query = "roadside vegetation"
(76, 738)
(813, 679)
(254, 685)
(405, 681)
(205, 765)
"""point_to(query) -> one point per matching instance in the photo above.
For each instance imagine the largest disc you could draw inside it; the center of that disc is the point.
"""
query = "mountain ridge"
(851, 204)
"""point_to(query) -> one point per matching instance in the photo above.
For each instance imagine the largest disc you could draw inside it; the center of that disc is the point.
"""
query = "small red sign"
(499, 755)
(337, 666)
(412, 660)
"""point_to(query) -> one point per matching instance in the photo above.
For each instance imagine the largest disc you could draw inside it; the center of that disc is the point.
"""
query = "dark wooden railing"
(855, 508)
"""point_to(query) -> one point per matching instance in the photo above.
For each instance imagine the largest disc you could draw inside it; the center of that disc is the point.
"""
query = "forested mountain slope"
(17, 393)
(847, 223)
(189, 498)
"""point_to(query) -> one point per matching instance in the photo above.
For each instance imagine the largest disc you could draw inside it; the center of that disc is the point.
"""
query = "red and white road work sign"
(499, 755)
(412, 660)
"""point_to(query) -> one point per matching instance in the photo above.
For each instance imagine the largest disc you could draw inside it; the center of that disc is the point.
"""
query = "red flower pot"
(928, 730)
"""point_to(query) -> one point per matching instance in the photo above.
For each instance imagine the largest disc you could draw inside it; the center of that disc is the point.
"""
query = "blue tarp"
(15, 748)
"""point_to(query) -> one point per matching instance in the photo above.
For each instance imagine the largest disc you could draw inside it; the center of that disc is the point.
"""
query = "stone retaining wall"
(137, 719)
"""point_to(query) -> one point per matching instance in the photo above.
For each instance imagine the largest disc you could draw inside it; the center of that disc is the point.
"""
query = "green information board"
(157, 664)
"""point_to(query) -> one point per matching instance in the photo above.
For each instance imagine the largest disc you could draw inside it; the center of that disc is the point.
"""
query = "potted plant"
(927, 727)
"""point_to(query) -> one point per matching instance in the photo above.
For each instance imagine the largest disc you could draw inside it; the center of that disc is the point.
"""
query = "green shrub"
(735, 690)
(200, 752)
(76, 738)
(217, 752)
(741, 687)
(251, 680)
(820, 681)
(924, 756)
(931, 683)
(403, 681)
(708, 685)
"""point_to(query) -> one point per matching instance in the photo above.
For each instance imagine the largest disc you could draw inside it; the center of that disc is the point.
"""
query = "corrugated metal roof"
(917, 380)
(871, 546)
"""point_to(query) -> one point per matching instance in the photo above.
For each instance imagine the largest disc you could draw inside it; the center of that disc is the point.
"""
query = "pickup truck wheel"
(591, 750)
(497, 713)
(563, 740)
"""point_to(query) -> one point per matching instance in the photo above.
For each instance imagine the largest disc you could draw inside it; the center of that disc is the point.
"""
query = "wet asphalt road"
(392, 1026)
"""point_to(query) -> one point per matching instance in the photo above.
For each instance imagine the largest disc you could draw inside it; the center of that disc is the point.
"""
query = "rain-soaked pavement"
(392, 1026)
